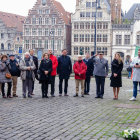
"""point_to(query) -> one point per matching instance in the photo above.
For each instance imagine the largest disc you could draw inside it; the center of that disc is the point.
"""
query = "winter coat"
(23, 69)
(4, 68)
(64, 67)
(15, 71)
(54, 64)
(45, 65)
(90, 67)
(35, 59)
(80, 68)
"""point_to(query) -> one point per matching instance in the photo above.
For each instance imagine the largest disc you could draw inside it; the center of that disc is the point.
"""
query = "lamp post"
(95, 24)
(52, 33)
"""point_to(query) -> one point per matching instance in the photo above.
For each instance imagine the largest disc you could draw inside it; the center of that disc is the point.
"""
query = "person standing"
(129, 69)
(53, 73)
(100, 71)
(15, 72)
(35, 59)
(64, 70)
(5, 76)
(116, 77)
(80, 75)
(135, 64)
(27, 68)
(89, 62)
(45, 74)
(0, 83)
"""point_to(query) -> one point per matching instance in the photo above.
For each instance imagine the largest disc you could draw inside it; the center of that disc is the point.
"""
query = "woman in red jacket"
(80, 69)
(53, 73)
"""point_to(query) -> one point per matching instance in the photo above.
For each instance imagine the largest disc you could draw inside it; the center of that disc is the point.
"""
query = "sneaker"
(76, 95)
(82, 95)
(132, 99)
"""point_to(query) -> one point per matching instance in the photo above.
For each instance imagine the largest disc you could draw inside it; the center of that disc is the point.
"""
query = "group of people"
(50, 66)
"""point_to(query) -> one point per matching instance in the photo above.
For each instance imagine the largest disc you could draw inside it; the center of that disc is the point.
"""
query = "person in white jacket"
(135, 64)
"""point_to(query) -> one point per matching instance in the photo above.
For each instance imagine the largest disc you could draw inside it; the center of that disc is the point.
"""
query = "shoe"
(97, 97)
(101, 97)
(4, 97)
(66, 95)
(76, 95)
(15, 95)
(32, 94)
(9, 96)
(46, 97)
(86, 94)
(60, 95)
(24, 96)
(132, 99)
(53, 95)
(29, 96)
(82, 96)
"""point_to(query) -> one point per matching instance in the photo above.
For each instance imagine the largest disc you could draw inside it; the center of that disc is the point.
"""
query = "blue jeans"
(135, 85)
(129, 74)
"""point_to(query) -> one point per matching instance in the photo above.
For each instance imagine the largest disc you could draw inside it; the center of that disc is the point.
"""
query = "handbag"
(8, 75)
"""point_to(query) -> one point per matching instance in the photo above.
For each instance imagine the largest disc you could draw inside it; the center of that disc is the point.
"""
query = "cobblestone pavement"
(69, 118)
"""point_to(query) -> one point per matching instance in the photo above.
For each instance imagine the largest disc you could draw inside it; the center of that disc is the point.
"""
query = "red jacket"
(54, 64)
(80, 68)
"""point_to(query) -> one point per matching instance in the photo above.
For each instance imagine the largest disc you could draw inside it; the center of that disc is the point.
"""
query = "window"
(40, 21)
(75, 37)
(87, 38)
(47, 11)
(118, 39)
(104, 50)
(53, 21)
(92, 38)
(81, 37)
(2, 35)
(98, 49)
(82, 25)
(75, 50)
(27, 44)
(33, 44)
(99, 25)
(105, 38)
(9, 46)
(87, 25)
(82, 14)
(93, 14)
(46, 44)
(2, 46)
(33, 20)
(39, 43)
(47, 21)
(18, 39)
(59, 44)
(87, 14)
(105, 25)
(76, 26)
(34, 31)
(88, 4)
(40, 12)
(59, 32)
(27, 31)
(93, 4)
(52, 33)
(127, 39)
(44, 2)
(81, 51)
(40, 31)
(87, 50)
(46, 32)
(52, 44)
(138, 39)
(9, 35)
(99, 38)
(92, 25)
(99, 14)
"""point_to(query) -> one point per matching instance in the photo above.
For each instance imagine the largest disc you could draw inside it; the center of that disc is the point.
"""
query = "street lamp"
(52, 33)
(96, 23)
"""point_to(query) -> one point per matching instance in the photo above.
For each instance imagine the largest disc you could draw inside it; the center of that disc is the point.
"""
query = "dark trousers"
(9, 89)
(33, 86)
(52, 85)
(135, 88)
(65, 86)
(87, 85)
(100, 82)
(44, 88)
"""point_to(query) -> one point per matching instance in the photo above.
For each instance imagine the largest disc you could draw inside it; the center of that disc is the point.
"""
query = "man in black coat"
(35, 59)
(89, 62)
(64, 70)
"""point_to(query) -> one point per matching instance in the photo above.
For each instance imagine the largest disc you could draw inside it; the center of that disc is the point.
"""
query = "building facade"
(11, 25)
(83, 28)
(47, 27)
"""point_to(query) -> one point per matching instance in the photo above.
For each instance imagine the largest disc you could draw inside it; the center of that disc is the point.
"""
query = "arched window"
(2, 46)
(9, 46)
(44, 2)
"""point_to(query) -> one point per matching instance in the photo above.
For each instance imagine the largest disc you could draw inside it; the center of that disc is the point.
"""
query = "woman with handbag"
(5, 76)
(45, 74)
(116, 77)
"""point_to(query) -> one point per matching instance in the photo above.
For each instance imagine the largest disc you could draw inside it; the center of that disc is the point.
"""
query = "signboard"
(39, 54)
(136, 50)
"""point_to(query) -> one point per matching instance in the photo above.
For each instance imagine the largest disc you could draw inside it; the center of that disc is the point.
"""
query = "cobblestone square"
(69, 118)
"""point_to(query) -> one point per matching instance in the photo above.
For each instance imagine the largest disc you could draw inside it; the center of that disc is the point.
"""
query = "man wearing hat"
(100, 72)
(15, 72)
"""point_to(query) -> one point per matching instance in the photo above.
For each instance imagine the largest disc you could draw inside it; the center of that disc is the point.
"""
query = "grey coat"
(3, 70)
(23, 69)
(101, 67)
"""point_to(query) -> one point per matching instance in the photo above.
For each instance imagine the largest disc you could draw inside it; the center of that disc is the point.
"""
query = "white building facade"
(83, 28)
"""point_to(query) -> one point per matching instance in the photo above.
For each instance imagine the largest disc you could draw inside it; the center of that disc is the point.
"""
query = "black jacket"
(90, 67)
(35, 59)
(15, 71)
(46, 65)
(64, 67)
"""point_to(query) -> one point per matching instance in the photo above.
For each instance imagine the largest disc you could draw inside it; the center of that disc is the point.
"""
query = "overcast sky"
(21, 7)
